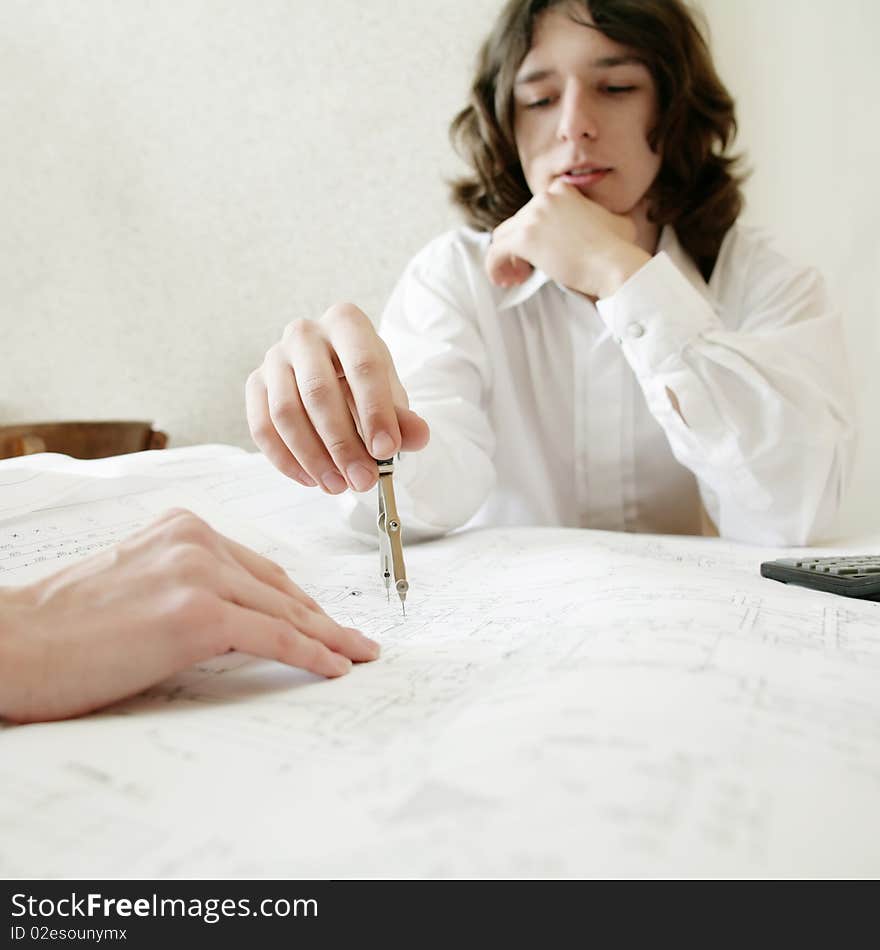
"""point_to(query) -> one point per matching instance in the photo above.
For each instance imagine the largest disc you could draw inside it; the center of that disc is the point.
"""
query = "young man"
(605, 346)
(172, 595)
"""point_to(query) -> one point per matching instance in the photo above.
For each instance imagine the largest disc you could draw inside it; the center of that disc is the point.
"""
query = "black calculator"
(853, 576)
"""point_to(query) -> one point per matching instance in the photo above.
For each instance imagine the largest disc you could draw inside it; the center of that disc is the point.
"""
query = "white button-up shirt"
(547, 409)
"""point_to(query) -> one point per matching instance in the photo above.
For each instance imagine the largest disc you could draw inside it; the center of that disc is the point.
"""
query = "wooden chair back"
(82, 440)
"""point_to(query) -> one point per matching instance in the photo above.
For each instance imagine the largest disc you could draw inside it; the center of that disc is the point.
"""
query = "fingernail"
(359, 476)
(341, 665)
(306, 480)
(371, 646)
(333, 482)
(383, 445)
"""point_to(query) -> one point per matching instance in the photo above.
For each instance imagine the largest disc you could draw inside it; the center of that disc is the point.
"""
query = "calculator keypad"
(854, 566)
(854, 575)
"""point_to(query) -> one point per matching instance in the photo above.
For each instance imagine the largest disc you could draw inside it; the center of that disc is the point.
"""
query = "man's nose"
(577, 117)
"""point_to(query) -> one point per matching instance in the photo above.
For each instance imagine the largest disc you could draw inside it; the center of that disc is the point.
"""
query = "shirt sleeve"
(432, 330)
(765, 416)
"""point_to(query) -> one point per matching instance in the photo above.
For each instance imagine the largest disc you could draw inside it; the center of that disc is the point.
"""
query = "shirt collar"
(520, 293)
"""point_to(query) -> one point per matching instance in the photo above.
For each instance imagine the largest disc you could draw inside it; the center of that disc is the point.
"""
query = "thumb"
(414, 431)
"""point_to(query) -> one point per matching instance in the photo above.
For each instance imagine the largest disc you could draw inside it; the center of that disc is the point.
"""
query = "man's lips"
(582, 175)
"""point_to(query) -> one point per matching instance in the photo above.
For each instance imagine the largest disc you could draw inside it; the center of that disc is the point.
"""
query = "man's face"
(584, 106)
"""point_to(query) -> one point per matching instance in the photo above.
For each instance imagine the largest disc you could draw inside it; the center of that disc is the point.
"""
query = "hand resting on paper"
(173, 594)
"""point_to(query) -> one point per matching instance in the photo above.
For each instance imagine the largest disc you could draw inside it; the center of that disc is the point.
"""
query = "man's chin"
(594, 193)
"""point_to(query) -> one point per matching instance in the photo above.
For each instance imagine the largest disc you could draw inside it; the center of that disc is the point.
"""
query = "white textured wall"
(806, 76)
(180, 178)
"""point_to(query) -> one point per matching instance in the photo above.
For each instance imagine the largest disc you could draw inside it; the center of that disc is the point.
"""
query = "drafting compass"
(390, 546)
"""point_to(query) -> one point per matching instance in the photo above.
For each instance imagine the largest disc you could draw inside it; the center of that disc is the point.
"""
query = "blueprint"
(555, 703)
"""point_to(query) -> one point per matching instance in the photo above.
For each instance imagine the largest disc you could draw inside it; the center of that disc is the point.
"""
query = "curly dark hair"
(697, 189)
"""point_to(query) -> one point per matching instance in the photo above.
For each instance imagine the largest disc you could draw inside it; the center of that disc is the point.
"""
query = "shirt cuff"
(657, 313)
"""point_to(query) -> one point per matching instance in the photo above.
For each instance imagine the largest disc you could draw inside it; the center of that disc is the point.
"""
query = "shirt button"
(635, 330)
